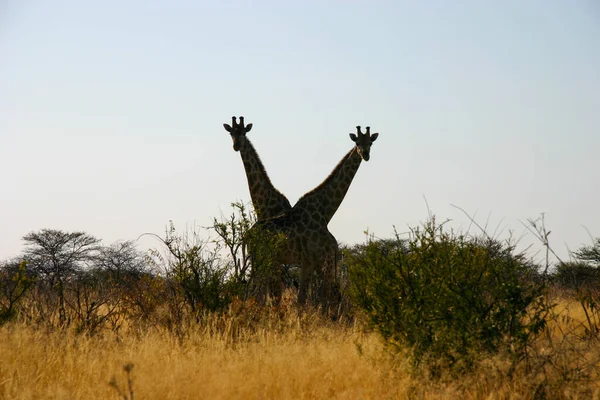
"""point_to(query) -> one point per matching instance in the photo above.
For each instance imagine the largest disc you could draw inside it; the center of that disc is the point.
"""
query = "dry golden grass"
(53, 365)
(294, 356)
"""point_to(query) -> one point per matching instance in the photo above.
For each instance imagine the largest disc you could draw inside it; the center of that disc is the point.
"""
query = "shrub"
(447, 297)
(254, 258)
(15, 282)
(583, 276)
(197, 270)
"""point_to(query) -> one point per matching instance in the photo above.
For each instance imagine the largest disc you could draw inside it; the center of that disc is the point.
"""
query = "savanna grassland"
(276, 354)
(437, 315)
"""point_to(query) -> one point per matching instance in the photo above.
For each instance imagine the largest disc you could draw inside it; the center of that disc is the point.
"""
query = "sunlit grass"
(285, 355)
(37, 364)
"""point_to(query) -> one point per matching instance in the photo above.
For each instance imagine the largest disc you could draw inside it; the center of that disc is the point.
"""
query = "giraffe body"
(316, 250)
(316, 208)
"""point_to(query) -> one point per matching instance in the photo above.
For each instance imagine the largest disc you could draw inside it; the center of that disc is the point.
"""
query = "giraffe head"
(363, 142)
(237, 132)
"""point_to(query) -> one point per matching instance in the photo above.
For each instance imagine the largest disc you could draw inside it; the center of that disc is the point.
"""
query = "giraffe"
(315, 209)
(268, 202)
(307, 240)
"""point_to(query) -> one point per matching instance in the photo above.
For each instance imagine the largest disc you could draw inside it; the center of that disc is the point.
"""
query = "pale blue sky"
(111, 112)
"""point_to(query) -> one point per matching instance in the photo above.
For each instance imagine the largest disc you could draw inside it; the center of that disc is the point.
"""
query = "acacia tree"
(121, 260)
(589, 254)
(54, 255)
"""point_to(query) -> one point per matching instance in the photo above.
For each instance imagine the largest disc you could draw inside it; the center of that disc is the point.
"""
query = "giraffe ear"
(374, 137)
(353, 137)
(248, 127)
(227, 127)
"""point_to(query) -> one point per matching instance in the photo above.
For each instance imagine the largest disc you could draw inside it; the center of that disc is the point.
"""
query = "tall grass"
(274, 353)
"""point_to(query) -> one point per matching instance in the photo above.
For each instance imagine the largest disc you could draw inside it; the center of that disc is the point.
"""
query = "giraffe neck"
(267, 200)
(324, 200)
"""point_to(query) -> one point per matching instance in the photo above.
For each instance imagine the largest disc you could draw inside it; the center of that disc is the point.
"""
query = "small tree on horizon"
(54, 255)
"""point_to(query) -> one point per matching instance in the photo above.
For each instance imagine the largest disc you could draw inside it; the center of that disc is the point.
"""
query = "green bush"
(447, 297)
(196, 269)
(254, 253)
(15, 282)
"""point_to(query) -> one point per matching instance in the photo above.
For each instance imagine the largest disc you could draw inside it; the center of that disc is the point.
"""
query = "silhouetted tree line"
(65, 278)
